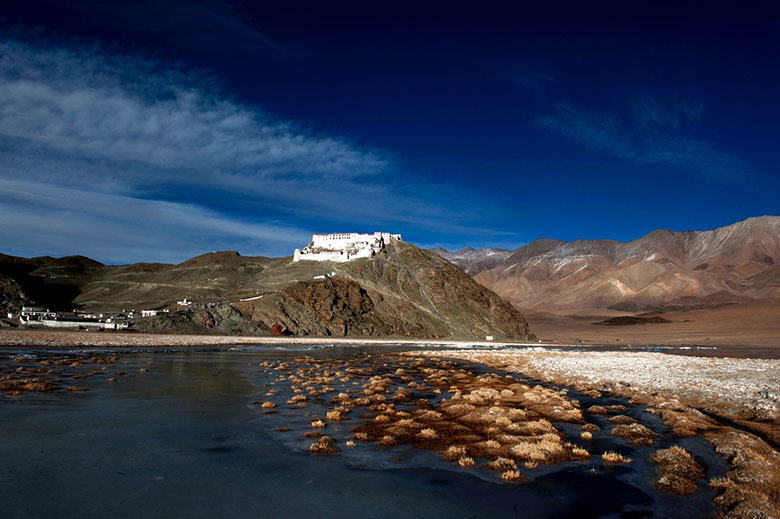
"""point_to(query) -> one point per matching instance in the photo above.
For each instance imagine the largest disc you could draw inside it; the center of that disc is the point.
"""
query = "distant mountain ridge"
(662, 270)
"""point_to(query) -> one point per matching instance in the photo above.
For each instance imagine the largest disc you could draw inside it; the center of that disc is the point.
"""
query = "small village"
(76, 319)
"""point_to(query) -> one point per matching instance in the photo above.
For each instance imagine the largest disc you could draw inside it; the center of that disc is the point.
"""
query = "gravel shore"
(749, 383)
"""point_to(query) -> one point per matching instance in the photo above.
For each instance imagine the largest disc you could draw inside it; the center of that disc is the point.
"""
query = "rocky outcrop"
(404, 291)
(12, 296)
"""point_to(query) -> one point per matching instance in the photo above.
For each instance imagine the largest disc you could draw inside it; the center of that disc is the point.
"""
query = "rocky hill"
(403, 291)
(663, 270)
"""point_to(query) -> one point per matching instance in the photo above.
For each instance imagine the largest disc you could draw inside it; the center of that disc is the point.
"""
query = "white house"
(341, 247)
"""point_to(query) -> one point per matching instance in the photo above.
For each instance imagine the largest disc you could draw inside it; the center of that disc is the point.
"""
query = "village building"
(340, 247)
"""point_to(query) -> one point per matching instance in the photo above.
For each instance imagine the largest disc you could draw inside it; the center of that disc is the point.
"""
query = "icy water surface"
(185, 440)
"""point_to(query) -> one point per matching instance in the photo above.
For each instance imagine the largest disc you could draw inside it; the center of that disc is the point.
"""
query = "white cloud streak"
(91, 140)
(648, 133)
(119, 228)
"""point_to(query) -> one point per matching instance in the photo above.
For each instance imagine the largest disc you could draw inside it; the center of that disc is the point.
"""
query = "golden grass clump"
(387, 440)
(360, 436)
(597, 409)
(268, 405)
(750, 487)
(678, 471)
(579, 452)
(381, 418)
(513, 476)
(502, 464)
(458, 409)
(536, 451)
(636, 432)
(318, 424)
(17, 387)
(350, 443)
(590, 427)
(533, 428)
(531, 464)
(336, 415)
(621, 419)
(76, 388)
(491, 445)
(586, 435)
(517, 414)
(325, 445)
(455, 452)
(428, 434)
(465, 461)
(503, 421)
(614, 458)
(429, 416)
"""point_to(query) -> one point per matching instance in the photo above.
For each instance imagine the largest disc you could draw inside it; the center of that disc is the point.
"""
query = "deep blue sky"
(157, 130)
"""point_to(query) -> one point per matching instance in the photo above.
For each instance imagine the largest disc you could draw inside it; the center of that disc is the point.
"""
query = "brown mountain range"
(662, 271)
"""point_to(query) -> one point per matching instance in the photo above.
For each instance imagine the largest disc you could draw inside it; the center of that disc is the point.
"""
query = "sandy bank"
(69, 339)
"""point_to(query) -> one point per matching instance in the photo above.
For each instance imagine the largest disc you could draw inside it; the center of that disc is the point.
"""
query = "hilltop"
(403, 291)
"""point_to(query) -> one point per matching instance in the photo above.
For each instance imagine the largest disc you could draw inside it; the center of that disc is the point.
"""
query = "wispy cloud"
(117, 228)
(130, 110)
(646, 132)
(113, 132)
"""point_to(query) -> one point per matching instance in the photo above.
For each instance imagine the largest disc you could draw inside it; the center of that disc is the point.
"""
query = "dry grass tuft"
(465, 461)
(597, 409)
(268, 405)
(621, 419)
(612, 457)
(336, 415)
(455, 452)
(590, 427)
(586, 435)
(678, 471)
(512, 476)
(387, 440)
(325, 445)
(318, 424)
(428, 434)
(502, 464)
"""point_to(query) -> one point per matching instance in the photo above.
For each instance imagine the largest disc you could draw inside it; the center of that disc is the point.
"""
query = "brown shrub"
(678, 471)
(325, 445)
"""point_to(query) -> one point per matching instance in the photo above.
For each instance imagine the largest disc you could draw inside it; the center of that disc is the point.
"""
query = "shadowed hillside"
(403, 291)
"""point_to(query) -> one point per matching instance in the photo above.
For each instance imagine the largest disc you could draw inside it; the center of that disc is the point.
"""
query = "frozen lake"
(184, 440)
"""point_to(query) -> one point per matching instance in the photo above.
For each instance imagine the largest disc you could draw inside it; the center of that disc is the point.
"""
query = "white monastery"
(344, 246)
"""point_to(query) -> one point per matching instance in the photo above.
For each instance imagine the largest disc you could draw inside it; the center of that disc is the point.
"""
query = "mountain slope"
(403, 291)
(662, 270)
